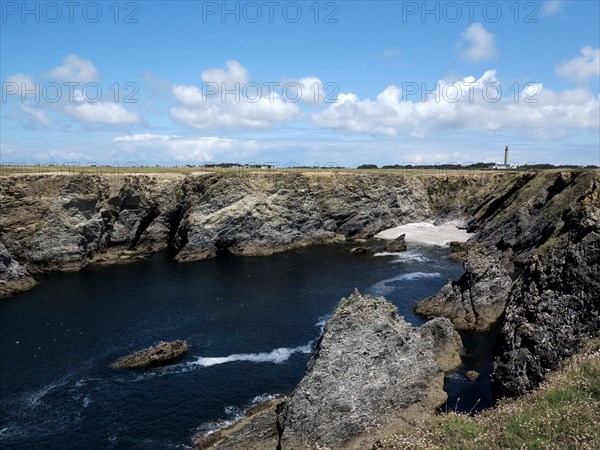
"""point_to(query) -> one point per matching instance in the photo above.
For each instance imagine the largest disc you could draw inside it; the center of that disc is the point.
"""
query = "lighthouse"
(506, 156)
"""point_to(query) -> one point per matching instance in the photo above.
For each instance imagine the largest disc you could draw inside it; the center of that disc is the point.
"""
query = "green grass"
(562, 414)
(107, 170)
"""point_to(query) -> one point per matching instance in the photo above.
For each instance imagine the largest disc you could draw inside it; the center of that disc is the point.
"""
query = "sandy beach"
(427, 233)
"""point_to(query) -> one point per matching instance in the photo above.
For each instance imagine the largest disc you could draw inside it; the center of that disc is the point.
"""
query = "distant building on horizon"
(506, 165)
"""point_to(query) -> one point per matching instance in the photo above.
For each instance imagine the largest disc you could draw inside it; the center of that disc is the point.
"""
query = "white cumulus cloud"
(74, 69)
(467, 104)
(477, 44)
(581, 68)
(209, 107)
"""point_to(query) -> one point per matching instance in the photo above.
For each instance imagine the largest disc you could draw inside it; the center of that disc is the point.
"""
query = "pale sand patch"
(427, 233)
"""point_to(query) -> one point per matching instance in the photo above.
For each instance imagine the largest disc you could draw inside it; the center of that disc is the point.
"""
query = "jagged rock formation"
(66, 222)
(477, 298)
(13, 276)
(397, 245)
(555, 304)
(157, 355)
(369, 367)
(256, 431)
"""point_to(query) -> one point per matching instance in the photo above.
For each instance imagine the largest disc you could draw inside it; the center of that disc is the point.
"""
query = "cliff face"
(64, 223)
(556, 302)
(477, 298)
(67, 222)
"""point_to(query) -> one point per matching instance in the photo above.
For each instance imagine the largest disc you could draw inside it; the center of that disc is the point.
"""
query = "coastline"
(428, 233)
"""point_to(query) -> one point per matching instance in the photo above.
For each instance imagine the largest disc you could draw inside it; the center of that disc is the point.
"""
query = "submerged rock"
(161, 354)
(477, 298)
(397, 245)
(370, 368)
(359, 250)
(472, 375)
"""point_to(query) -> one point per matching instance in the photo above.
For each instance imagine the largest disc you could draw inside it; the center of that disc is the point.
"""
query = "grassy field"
(564, 413)
(14, 169)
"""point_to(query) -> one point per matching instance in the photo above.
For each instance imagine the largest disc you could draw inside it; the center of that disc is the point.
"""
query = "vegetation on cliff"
(563, 413)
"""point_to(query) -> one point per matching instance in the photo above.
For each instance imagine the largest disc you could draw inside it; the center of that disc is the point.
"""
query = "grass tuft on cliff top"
(564, 413)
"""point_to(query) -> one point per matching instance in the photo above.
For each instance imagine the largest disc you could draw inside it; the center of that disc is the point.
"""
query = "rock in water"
(370, 368)
(161, 354)
(477, 299)
(397, 245)
(13, 276)
(359, 250)
(472, 375)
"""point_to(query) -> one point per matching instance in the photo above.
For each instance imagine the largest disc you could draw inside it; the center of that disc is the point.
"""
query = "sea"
(252, 324)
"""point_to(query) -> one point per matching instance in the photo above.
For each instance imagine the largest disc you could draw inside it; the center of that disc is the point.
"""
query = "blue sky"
(300, 82)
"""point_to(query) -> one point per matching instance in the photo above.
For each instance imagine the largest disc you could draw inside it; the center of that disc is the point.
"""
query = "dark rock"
(554, 305)
(397, 245)
(13, 277)
(477, 298)
(359, 250)
(370, 367)
(256, 431)
(158, 355)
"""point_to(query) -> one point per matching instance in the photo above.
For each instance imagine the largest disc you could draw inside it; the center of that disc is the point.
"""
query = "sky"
(300, 83)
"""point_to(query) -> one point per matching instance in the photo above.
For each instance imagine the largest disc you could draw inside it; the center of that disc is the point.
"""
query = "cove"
(252, 323)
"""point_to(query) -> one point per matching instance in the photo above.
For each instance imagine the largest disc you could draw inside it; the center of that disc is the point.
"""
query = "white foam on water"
(389, 284)
(263, 398)
(404, 257)
(276, 356)
(34, 399)
(321, 323)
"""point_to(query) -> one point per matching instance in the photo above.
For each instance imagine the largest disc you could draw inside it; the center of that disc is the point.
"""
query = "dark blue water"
(251, 321)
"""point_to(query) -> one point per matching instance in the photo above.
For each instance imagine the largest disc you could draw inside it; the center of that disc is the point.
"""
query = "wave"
(390, 284)
(404, 257)
(276, 356)
(321, 323)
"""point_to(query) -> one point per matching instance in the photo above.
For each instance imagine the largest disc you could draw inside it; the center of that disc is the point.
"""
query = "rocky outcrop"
(370, 370)
(370, 367)
(158, 355)
(261, 215)
(63, 222)
(477, 298)
(256, 431)
(528, 212)
(13, 276)
(555, 305)
(397, 245)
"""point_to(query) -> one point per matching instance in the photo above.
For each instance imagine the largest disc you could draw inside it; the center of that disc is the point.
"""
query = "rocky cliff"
(477, 298)
(555, 304)
(63, 222)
